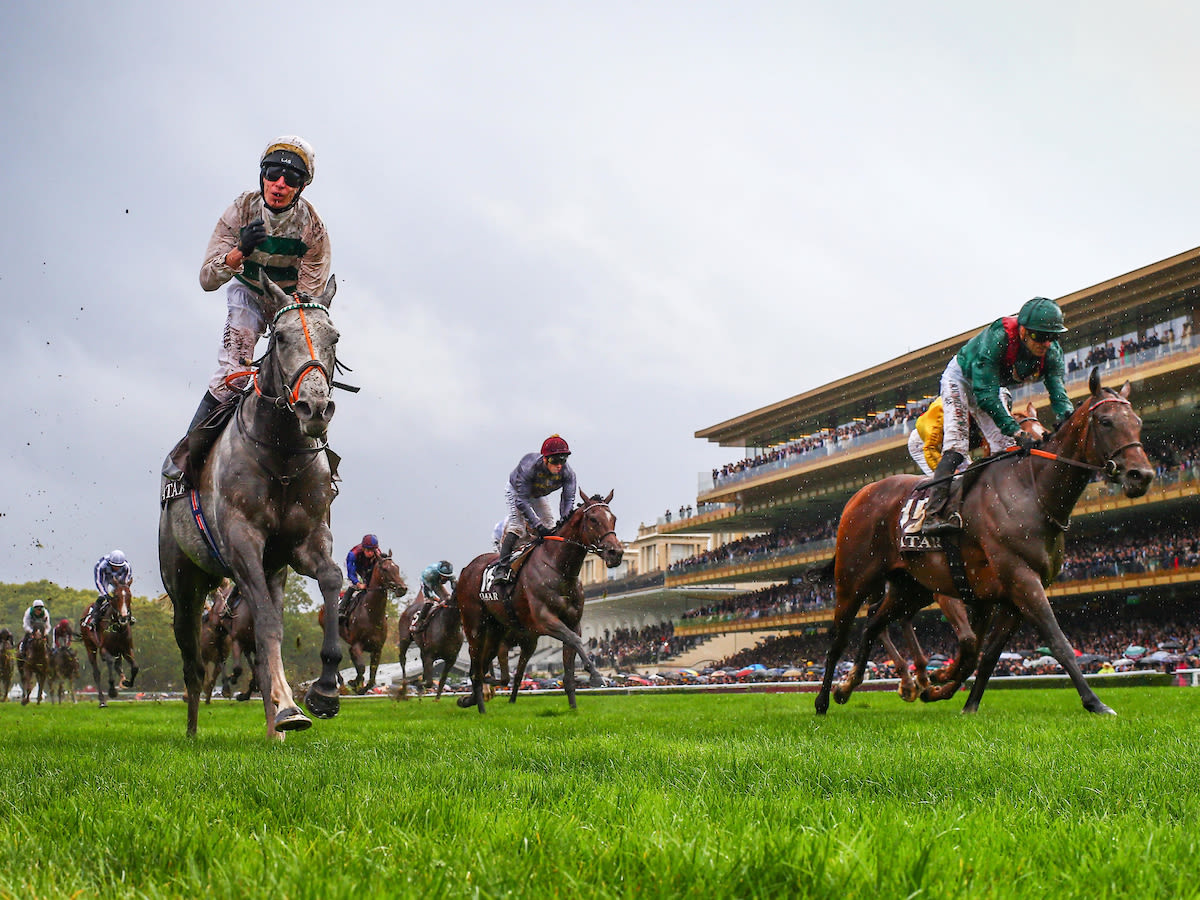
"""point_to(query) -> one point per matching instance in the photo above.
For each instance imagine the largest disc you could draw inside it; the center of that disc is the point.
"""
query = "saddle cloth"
(912, 518)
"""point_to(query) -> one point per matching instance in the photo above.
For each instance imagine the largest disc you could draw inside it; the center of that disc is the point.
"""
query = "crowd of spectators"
(783, 538)
(1146, 547)
(778, 600)
(627, 647)
(1109, 352)
(819, 441)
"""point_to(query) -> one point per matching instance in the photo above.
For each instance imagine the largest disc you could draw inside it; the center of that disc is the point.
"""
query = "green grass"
(633, 796)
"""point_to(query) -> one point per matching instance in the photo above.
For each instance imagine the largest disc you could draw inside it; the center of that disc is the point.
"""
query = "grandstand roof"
(1096, 314)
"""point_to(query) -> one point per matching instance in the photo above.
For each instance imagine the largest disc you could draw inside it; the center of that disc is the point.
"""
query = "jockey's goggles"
(291, 177)
(556, 460)
(1043, 337)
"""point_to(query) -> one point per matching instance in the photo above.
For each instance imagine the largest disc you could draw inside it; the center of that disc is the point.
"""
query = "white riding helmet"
(117, 559)
(38, 604)
(291, 150)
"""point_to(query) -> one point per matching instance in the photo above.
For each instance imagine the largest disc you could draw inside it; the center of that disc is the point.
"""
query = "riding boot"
(504, 566)
(941, 515)
(208, 405)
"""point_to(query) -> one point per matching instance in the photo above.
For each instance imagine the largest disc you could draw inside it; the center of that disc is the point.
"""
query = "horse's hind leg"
(558, 629)
(907, 688)
(968, 644)
(527, 648)
(1001, 626)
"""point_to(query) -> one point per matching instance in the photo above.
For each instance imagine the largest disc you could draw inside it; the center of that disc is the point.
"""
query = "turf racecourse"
(646, 796)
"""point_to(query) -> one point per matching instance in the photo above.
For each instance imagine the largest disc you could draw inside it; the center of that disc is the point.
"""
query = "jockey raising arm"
(1012, 350)
(270, 230)
(536, 476)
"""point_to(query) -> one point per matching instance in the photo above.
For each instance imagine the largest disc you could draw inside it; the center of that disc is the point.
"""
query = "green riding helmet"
(1042, 314)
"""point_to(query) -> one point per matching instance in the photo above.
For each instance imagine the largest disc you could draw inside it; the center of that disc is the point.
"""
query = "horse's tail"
(823, 573)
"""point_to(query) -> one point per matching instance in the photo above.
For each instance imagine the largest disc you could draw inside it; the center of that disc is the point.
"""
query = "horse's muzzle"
(1136, 481)
(612, 556)
(314, 415)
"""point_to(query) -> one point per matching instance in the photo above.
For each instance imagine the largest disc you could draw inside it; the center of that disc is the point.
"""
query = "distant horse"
(1011, 546)
(917, 683)
(216, 642)
(264, 492)
(547, 598)
(6, 663)
(441, 638)
(110, 637)
(64, 673)
(35, 667)
(366, 627)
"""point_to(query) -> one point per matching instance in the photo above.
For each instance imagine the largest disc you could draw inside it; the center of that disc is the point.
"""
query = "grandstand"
(799, 460)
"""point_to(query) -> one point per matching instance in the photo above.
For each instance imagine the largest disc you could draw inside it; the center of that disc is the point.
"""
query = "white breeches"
(959, 405)
(516, 521)
(244, 325)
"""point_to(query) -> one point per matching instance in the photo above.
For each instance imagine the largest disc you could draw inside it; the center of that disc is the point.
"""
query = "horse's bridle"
(291, 387)
(1110, 468)
(593, 547)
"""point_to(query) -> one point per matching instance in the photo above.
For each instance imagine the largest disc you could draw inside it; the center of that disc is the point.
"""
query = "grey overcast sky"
(619, 221)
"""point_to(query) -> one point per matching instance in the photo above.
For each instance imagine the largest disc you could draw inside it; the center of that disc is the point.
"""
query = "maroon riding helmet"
(555, 446)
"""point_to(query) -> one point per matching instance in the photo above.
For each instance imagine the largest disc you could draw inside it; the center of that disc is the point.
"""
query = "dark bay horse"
(64, 673)
(6, 663)
(265, 490)
(366, 628)
(110, 637)
(1012, 544)
(441, 638)
(547, 599)
(918, 682)
(35, 667)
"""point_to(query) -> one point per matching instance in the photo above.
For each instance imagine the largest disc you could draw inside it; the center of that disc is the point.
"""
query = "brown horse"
(441, 638)
(35, 666)
(547, 598)
(64, 673)
(264, 492)
(917, 683)
(110, 637)
(1011, 547)
(216, 641)
(6, 663)
(366, 627)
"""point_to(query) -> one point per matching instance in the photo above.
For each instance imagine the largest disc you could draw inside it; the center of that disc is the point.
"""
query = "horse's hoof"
(291, 719)
(596, 681)
(112, 692)
(1103, 709)
(321, 705)
(466, 701)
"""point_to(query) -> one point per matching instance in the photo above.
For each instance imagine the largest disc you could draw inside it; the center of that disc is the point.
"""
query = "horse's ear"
(1124, 392)
(1094, 380)
(326, 298)
(275, 292)
(608, 499)
(583, 496)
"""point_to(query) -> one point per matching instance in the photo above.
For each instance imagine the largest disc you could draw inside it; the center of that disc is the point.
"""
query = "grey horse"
(264, 491)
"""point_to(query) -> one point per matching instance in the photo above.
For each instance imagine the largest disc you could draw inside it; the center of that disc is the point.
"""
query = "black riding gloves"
(1027, 442)
(251, 236)
(544, 530)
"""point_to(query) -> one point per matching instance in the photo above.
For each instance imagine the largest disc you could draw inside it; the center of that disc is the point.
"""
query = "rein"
(1109, 468)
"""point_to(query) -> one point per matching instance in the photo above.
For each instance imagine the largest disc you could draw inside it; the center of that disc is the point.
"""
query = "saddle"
(497, 597)
(912, 513)
(189, 454)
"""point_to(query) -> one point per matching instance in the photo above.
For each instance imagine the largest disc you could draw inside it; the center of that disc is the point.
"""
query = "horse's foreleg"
(557, 629)
(358, 685)
(374, 668)
(1036, 608)
(968, 644)
(428, 657)
(849, 601)
(322, 697)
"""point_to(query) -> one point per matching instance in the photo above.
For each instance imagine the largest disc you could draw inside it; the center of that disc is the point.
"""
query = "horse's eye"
(1107, 423)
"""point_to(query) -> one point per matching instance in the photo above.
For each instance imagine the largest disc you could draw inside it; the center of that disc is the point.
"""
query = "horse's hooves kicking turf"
(321, 705)
(291, 719)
